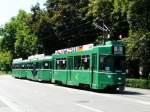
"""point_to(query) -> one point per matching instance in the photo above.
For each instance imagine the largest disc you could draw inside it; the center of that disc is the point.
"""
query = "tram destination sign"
(118, 49)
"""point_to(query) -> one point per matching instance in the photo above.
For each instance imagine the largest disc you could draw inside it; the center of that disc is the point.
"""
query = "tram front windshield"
(112, 63)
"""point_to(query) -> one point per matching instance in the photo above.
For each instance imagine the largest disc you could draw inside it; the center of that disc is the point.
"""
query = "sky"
(10, 8)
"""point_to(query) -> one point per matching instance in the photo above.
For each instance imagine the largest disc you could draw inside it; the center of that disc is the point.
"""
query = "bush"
(5, 61)
(138, 83)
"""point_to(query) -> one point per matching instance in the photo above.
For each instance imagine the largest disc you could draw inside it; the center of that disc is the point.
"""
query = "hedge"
(138, 83)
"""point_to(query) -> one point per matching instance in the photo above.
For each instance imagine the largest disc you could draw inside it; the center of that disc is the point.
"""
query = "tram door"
(94, 67)
(34, 70)
(70, 67)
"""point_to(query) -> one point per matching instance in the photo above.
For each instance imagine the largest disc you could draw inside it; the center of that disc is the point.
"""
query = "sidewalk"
(143, 91)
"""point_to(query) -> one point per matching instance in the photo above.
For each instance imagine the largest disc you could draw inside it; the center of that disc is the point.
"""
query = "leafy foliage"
(26, 42)
(139, 15)
(1, 31)
(5, 60)
(101, 10)
(120, 24)
(69, 22)
(42, 28)
(138, 83)
(138, 41)
(7, 43)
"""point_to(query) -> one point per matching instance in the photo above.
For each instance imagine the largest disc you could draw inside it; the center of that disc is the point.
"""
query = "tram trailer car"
(33, 68)
(42, 69)
(100, 67)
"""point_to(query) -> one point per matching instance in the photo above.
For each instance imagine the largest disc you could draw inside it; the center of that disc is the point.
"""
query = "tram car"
(96, 67)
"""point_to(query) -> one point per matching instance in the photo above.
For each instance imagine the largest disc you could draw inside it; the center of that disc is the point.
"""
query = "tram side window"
(77, 62)
(38, 65)
(85, 62)
(23, 66)
(20, 66)
(27, 65)
(106, 63)
(102, 63)
(30, 65)
(46, 65)
(17, 66)
(61, 64)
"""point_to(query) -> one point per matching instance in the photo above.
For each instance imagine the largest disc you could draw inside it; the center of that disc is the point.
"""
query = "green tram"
(98, 67)
(34, 68)
(42, 69)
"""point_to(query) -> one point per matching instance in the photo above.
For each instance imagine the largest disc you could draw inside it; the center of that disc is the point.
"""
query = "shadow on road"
(131, 93)
(126, 92)
(86, 88)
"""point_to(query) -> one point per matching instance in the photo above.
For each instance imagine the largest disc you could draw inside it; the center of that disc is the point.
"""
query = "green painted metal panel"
(44, 75)
(29, 74)
(81, 76)
(60, 75)
(23, 73)
(17, 73)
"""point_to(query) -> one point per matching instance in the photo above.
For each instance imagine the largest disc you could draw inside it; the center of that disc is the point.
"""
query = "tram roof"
(18, 60)
(45, 58)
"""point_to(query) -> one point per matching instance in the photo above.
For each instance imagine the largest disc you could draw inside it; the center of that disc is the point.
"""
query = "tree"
(138, 52)
(120, 24)
(1, 31)
(42, 28)
(26, 42)
(145, 54)
(5, 60)
(101, 10)
(63, 24)
(9, 34)
(139, 15)
(138, 41)
(69, 21)
(18, 38)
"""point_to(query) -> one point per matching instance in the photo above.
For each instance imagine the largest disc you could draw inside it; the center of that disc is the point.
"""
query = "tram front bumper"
(116, 80)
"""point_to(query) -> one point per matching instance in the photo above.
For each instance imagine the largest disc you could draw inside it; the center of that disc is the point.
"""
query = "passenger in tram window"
(85, 63)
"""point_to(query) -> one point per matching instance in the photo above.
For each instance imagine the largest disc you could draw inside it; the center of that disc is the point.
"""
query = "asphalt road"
(27, 96)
